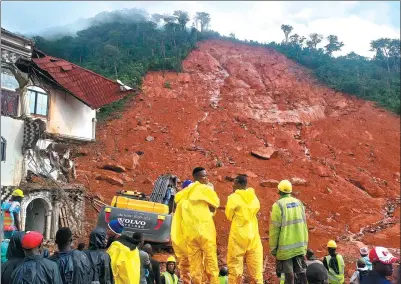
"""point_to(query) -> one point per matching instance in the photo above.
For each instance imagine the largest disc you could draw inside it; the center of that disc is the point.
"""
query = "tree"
(232, 35)
(182, 18)
(315, 39)
(113, 53)
(297, 40)
(394, 53)
(333, 45)
(382, 48)
(202, 19)
(287, 29)
(156, 18)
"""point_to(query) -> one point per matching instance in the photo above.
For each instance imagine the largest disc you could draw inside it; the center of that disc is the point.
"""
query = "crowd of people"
(115, 257)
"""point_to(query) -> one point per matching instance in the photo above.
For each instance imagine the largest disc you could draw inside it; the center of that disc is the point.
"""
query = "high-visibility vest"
(223, 279)
(288, 232)
(170, 279)
(335, 278)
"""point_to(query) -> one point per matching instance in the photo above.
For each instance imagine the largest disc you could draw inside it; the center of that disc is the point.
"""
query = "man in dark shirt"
(74, 265)
(382, 261)
(154, 273)
(35, 269)
(15, 257)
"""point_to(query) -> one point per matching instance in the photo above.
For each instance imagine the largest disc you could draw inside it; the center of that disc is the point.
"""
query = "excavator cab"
(151, 215)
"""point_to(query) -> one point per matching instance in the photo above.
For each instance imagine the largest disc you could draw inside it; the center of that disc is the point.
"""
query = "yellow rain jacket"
(244, 240)
(177, 238)
(200, 232)
(125, 261)
(288, 232)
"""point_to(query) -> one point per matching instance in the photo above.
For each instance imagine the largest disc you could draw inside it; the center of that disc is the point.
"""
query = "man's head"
(81, 246)
(382, 261)
(332, 247)
(310, 254)
(32, 242)
(361, 264)
(115, 228)
(316, 273)
(17, 195)
(364, 251)
(15, 249)
(64, 239)
(199, 174)
(284, 187)
(148, 249)
(186, 183)
(171, 263)
(240, 182)
(223, 271)
(137, 238)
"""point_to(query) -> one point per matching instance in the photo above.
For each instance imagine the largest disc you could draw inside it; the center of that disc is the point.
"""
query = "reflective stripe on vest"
(284, 218)
(282, 278)
(169, 278)
(335, 278)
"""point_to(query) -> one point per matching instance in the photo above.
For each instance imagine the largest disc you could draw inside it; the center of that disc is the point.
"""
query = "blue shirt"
(374, 278)
(368, 263)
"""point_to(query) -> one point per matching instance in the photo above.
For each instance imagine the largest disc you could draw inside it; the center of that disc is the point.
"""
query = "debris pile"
(341, 153)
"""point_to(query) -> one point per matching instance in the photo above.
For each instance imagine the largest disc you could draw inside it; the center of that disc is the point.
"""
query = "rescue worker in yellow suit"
(200, 232)
(244, 240)
(124, 256)
(288, 235)
(177, 239)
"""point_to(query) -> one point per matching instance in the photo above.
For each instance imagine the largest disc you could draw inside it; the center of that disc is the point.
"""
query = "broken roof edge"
(123, 89)
(83, 68)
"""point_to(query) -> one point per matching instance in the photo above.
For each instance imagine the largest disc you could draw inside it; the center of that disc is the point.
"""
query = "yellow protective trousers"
(183, 264)
(244, 242)
(177, 239)
(253, 255)
(200, 233)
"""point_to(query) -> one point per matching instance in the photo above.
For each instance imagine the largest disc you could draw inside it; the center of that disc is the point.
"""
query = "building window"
(9, 103)
(8, 81)
(38, 101)
(3, 149)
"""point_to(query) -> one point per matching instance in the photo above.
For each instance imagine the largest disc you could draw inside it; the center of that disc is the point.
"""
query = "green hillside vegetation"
(127, 50)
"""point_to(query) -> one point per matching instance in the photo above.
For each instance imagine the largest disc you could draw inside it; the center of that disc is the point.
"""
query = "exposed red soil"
(232, 99)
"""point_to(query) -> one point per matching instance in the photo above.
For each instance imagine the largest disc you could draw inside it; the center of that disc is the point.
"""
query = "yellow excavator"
(151, 215)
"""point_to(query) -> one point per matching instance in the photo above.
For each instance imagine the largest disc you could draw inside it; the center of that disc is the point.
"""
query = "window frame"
(3, 149)
(36, 104)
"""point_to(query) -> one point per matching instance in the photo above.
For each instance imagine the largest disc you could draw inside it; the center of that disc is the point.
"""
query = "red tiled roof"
(89, 87)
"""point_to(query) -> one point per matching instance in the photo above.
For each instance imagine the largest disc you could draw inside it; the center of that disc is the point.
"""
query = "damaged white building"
(47, 104)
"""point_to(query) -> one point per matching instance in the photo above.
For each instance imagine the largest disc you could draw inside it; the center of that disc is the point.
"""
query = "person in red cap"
(35, 269)
(382, 261)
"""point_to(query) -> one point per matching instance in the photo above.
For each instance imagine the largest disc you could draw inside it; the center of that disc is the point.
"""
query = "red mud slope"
(232, 99)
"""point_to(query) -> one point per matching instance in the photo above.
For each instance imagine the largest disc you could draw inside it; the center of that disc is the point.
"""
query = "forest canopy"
(126, 50)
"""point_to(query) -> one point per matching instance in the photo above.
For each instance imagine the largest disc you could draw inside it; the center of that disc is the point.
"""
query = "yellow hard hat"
(171, 259)
(332, 244)
(17, 192)
(285, 186)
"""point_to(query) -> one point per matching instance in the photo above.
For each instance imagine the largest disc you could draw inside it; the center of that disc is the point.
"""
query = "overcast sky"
(356, 23)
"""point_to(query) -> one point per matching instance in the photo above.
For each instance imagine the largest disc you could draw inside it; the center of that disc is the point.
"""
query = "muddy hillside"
(242, 109)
